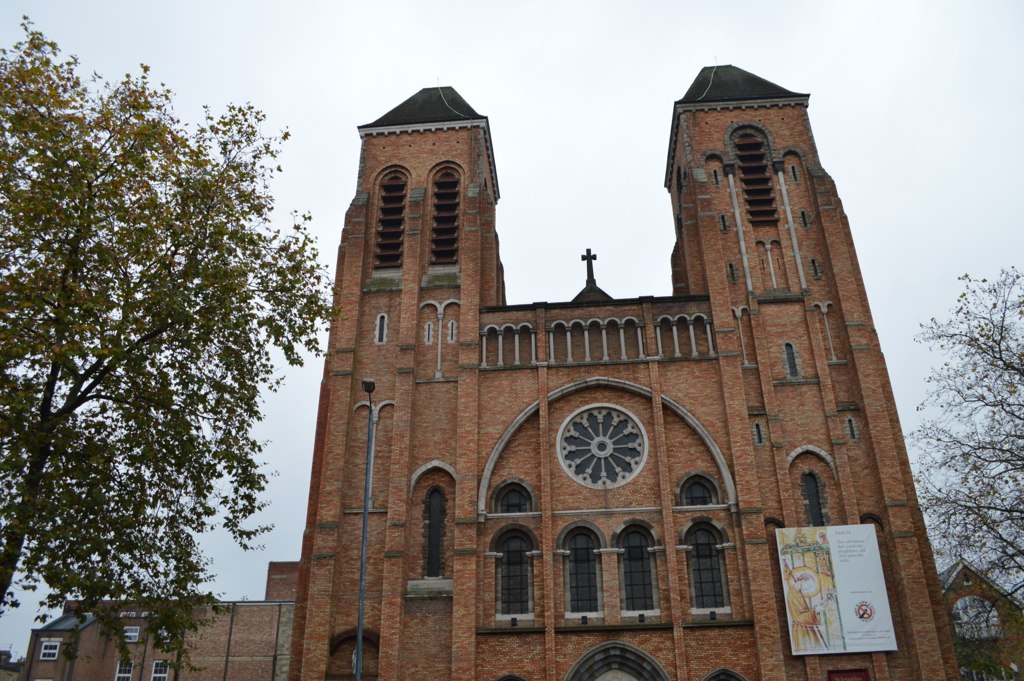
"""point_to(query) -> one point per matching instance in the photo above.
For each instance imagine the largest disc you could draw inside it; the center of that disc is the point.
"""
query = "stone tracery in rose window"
(602, 446)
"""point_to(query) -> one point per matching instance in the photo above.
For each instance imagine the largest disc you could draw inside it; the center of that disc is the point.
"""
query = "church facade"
(590, 489)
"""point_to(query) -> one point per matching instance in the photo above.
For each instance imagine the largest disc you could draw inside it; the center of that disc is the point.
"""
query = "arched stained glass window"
(434, 512)
(583, 591)
(812, 495)
(514, 574)
(705, 563)
(637, 576)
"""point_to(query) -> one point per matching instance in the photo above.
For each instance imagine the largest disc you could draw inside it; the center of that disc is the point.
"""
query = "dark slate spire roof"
(730, 83)
(440, 104)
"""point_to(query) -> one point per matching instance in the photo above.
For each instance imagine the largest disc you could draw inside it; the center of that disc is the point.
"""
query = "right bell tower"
(761, 231)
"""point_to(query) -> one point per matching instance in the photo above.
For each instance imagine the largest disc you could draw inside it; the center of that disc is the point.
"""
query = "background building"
(248, 641)
(988, 624)
(589, 489)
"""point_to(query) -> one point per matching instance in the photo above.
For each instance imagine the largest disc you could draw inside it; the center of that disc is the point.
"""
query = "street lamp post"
(371, 421)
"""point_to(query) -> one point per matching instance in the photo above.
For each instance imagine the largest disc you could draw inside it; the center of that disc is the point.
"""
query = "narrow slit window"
(758, 434)
(435, 513)
(851, 428)
(391, 222)
(452, 331)
(791, 367)
(792, 171)
(725, 223)
(714, 174)
(679, 178)
(380, 334)
(732, 273)
(428, 333)
(815, 269)
(444, 236)
(804, 219)
(812, 496)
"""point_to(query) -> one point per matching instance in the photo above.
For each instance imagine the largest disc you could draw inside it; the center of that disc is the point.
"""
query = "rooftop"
(731, 83)
(439, 104)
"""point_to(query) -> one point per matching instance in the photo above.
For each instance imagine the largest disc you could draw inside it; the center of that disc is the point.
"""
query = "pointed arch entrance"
(616, 661)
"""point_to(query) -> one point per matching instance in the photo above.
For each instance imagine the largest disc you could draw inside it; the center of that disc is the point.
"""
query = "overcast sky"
(915, 108)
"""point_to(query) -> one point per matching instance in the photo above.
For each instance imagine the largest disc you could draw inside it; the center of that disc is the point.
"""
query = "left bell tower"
(418, 259)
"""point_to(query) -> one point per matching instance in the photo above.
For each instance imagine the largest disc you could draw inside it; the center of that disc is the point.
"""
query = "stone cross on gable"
(590, 258)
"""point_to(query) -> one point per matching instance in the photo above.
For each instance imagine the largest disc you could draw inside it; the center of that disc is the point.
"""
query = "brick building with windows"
(589, 489)
(247, 641)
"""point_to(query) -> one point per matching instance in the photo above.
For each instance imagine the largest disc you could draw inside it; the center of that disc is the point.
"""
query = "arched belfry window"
(444, 238)
(811, 488)
(582, 569)
(754, 170)
(637, 571)
(705, 563)
(391, 221)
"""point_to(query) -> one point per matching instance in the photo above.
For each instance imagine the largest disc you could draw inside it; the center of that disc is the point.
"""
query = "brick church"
(589, 490)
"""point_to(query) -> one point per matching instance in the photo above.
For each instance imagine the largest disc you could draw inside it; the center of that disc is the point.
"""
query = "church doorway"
(616, 661)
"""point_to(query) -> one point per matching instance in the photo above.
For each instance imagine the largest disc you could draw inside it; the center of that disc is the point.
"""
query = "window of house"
(697, 492)
(428, 333)
(49, 648)
(160, 670)
(812, 497)
(514, 575)
(976, 618)
(380, 334)
(391, 222)
(791, 368)
(637, 575)
(514, 499)
(583, 589)
(705, 563)
(131, 634)
(444, 236)
(124, 670)
(435, 513)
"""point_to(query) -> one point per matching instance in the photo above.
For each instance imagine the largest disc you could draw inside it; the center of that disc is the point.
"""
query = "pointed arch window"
(582, 569)
(444, 237)
(812, 497)
(705, 564)
(792, 370)
(514, 574)
(637, 571)
(391, 222)
(434, 514)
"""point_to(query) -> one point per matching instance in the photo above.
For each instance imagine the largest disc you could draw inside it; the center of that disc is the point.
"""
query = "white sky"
(915, 107)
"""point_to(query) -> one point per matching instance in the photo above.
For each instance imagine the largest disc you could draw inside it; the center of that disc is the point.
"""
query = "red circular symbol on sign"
(864, 611)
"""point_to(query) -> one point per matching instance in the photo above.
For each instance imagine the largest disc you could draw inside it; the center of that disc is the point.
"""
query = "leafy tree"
(142, 292)
(972, 459)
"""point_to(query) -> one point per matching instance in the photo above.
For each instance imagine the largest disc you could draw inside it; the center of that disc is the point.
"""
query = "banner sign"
(835, 590)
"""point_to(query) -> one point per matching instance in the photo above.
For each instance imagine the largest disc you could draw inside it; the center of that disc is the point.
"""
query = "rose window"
(602, 446)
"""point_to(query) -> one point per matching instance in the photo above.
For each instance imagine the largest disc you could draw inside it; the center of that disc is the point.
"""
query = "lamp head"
(368, 385)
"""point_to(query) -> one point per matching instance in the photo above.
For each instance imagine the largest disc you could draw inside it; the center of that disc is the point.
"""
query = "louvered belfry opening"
(444, 240)
(756, 179)
(391, 225)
